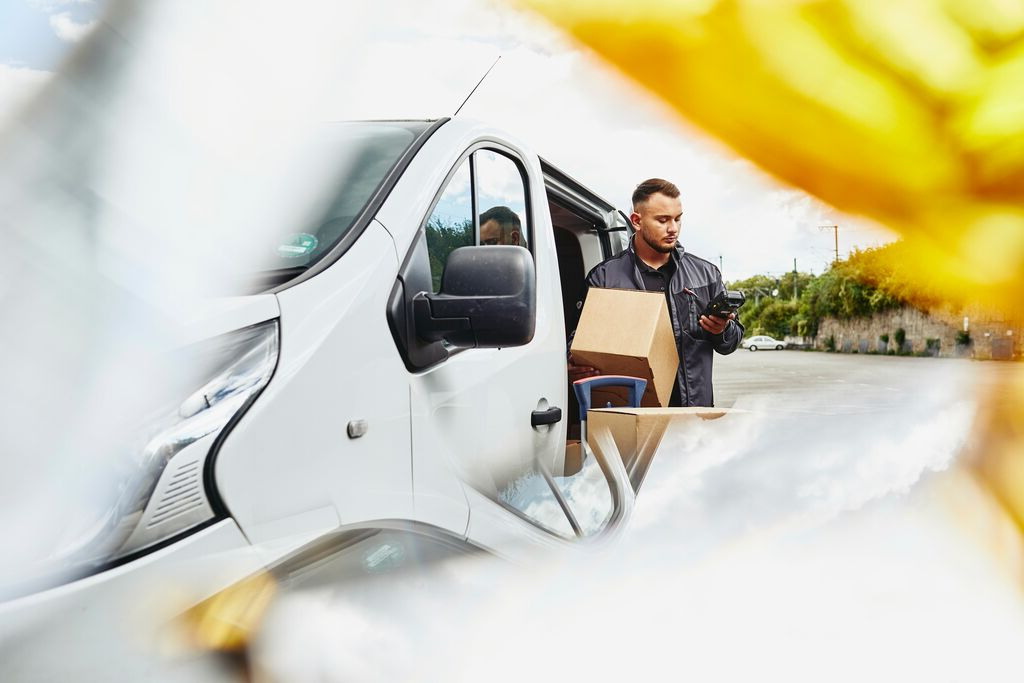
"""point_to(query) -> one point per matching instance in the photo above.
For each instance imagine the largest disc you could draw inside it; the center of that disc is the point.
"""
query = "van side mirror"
(488, 299)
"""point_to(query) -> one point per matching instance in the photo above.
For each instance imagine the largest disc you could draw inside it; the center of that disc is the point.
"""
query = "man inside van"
(656, 262)
(500, 225)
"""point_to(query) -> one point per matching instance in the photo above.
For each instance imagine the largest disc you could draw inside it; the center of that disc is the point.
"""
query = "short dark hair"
(653, 186)
(506, 217)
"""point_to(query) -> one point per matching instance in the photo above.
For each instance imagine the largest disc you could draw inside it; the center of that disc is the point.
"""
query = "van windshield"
(357, 157)
(185, 177)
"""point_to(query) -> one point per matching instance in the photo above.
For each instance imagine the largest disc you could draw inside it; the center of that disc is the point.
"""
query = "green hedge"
(849, 289)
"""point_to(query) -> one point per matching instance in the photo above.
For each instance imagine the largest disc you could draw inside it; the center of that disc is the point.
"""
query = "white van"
(388, 372)
(420, 377)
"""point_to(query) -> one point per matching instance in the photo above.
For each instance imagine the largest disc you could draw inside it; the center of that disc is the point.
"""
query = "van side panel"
(290, 466)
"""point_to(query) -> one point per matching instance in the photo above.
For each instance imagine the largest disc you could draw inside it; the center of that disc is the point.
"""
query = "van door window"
(501, 200)
(451, 224)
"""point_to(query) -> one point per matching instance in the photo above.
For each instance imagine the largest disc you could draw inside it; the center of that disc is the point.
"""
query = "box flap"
(618, 320)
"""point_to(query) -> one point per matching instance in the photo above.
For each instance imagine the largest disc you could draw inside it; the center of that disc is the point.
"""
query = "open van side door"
(609, 225)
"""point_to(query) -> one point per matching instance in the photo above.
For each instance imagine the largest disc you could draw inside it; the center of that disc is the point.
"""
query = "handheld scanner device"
(725, 303)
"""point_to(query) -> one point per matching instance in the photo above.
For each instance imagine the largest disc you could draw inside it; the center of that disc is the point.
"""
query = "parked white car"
(762, 342)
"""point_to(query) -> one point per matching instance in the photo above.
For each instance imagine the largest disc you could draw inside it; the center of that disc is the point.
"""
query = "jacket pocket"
(693, 309)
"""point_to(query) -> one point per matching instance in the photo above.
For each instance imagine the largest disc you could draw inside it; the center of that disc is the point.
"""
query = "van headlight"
(169, 494)
(162, 491)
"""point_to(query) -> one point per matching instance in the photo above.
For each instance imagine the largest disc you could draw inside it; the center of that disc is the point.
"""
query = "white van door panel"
(290, 466)
(471, 413)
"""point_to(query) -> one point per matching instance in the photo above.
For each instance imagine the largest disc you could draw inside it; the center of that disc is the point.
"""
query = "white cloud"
(67, 29)
(17, 86)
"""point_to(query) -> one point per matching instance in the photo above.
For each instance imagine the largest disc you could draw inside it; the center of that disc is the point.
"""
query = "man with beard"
(655, 262)
(500, 225)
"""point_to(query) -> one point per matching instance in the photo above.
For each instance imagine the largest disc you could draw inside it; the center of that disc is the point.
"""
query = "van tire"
(752, 347)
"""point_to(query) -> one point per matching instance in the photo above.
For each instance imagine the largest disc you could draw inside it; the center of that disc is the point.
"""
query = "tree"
(777, 318)
(442, 240)
(869, 281)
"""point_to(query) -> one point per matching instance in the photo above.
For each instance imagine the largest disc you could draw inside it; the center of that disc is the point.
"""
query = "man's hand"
(578, 372)
(714, 324)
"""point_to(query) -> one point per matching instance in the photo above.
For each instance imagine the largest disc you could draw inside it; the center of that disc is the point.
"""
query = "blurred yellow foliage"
(907, 111)
(226, 621)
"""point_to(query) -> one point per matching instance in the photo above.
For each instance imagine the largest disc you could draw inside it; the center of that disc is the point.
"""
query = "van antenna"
(475, 87)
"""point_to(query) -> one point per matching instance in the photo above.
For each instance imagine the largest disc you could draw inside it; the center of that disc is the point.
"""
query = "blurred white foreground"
(831, 538)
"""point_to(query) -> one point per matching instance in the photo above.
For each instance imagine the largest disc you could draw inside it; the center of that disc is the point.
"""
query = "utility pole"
(794, 280)
(835, 230)
(758, 293)
(719, 262)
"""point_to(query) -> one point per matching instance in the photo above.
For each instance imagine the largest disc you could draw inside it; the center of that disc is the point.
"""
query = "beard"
(659, 247)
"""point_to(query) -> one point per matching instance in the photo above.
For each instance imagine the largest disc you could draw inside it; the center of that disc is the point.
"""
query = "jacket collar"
(677, 253)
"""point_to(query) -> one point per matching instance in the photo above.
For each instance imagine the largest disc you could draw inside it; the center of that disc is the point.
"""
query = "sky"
(560, 100)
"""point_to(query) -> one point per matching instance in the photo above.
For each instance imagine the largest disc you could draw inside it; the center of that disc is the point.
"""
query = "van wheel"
(779, 347)
(752, 348)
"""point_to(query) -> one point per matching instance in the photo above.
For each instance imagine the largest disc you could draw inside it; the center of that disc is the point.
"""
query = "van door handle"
(545, 417)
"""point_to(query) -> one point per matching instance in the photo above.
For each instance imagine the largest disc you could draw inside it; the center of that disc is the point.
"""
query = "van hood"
(220, 315)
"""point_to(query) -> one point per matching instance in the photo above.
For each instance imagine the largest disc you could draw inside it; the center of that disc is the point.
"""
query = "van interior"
(587, 230)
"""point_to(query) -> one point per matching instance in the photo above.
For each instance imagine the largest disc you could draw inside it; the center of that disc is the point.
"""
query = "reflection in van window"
(587, 495)
(501, 199)
(451, 224)
(501, 225)
(530, 495)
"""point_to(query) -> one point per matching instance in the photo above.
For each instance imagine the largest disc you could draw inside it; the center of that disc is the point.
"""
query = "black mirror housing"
(488, 299)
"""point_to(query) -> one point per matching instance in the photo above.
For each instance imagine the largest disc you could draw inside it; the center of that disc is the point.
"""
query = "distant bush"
(830, 343)
(899, 337)
(884, 338)
(963, 338)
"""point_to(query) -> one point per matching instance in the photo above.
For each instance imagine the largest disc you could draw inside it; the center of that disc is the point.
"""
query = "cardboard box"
(634, 434)
(573, 461)
(627, 332)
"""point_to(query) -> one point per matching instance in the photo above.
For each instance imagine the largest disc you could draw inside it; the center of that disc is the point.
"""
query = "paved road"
(830, 383)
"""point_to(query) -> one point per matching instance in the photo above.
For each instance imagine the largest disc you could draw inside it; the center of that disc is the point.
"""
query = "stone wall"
(991, 335)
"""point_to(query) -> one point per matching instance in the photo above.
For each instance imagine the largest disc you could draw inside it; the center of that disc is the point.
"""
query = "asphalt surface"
(830, 383)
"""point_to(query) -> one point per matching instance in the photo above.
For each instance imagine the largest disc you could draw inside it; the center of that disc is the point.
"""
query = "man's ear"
(514, 238)
(634, 219)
